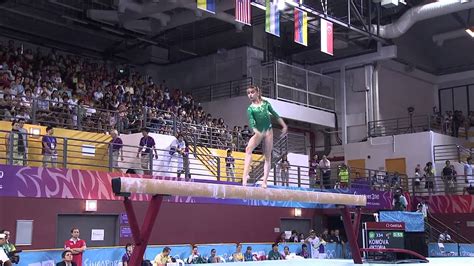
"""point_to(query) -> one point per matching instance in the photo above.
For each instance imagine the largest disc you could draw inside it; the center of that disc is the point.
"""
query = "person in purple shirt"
(147, 143)
(49, 151)
(115, 147)
(128, 254)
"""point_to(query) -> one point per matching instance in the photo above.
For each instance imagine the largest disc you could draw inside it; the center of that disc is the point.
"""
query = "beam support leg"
(351, 234)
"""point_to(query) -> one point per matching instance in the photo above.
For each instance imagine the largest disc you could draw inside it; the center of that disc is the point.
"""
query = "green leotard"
(259, 116)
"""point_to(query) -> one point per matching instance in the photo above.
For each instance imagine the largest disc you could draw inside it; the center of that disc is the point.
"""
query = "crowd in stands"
(450, 122)
(75, 92)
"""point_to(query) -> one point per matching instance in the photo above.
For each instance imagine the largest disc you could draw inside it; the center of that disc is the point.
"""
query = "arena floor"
(465, 261)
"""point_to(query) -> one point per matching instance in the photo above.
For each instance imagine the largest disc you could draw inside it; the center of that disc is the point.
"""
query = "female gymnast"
(258, 114)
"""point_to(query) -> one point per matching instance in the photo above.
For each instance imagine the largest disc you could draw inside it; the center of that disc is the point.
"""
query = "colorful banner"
(207, 5)
(327, 42)
(443, 250)
(301, 27)
(448, 203)
(414, 221)
(38, 182)
(272, 18)
(243, 11)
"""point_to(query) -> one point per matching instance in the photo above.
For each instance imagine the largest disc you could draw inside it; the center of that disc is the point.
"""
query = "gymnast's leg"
(267, 152)
(253, 142)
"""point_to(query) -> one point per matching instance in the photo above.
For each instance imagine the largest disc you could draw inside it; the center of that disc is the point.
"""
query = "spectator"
(444, 237)
(313, 171)
(15, 145)
(49, 151)
(274, 254)
(238, 256)
(8, 247)
(3, 255)
(285, 170)
(325, 166)
(186, 163)
(128, 254)
(301, 237)
(147, 143)
(325, 235)
(281, 238)
(429, 178)
(468, 174)
(67, 259)
(304, 252)
(230, 166)
(399, 202)
(76, 246)
(343, 174)
(422, 207)
(214, 258)
(294, 237)
(339, 241)
(314, 242)
(448, 178)
(286, 252)
(180, 152)
(115, 148)
(248, 256)
(417, 181)
(195, 257)
(163, 258)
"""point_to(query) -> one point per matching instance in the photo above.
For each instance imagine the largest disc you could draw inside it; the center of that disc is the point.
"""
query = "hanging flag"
(272, 18)
(207, 5)
(242, 11)
(301, 27)
(327, 37)
(299, 2)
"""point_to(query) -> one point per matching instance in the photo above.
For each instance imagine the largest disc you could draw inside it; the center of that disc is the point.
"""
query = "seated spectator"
(286, 252)
(304, 252)
(67, 259)
(281, 238)
(214, 258)
(128, 254)
(274, 254)
(294, 237)
(248, 255)
(325, 235)
(238, 256)
(301, 237)
(444, 237)
(3, 255)
(163, 257)
(195, 257)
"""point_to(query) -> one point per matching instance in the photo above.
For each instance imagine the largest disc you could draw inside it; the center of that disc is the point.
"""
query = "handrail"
(452, 231)
(399, 125)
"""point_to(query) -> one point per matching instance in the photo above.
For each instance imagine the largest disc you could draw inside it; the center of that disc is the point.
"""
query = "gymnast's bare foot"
(264, 185)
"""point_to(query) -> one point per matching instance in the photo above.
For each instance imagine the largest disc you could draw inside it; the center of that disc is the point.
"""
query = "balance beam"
(123, 185)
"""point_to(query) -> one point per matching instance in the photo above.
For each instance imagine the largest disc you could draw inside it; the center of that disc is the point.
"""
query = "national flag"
(301, 27)
(242, 11)
(327, 30)
(207, 5)
(272, 18)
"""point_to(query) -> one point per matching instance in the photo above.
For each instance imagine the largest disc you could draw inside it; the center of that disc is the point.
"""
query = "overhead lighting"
(91, 206)
(112, 30)
(75, 19)
(297, 212)
(470, 31)
(281, 4)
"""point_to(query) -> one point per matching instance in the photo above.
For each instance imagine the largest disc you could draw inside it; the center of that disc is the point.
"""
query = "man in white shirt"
(314, 243)
(444, 237)
(3, 256)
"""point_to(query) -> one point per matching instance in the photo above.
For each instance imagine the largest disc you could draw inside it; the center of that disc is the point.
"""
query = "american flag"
(242, 11)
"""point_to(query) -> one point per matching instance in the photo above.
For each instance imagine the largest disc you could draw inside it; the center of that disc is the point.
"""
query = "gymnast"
(258, 114)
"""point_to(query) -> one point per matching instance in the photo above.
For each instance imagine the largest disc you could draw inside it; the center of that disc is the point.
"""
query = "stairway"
(452, 152)
(434, 227)
(205, 156)
(280, 147)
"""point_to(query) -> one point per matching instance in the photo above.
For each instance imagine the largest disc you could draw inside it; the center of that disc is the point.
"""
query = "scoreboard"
(383, 235)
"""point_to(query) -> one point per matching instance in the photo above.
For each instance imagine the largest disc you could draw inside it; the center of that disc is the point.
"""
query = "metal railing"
(436, 227)
(458, 184)
(221, 90)
(397, 126)
(451, 152)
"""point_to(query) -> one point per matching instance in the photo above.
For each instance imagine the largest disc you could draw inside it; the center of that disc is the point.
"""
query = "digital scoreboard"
(383, 235)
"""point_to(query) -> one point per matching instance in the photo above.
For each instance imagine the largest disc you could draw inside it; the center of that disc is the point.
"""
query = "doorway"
(396, 165)
(300, 225)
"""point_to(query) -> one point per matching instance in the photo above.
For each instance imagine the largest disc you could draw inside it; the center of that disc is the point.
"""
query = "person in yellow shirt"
(238, 256)
(163, 257)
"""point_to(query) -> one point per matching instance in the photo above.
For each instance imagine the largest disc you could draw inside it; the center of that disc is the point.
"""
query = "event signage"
(385, 226)
(383, 235)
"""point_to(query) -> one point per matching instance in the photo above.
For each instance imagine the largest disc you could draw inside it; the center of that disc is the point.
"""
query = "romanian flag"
(207, 5)
(272, 18)
(301, 27)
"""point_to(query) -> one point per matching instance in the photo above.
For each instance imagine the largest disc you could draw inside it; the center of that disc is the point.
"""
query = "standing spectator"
(325, 166)
(180, 152)
(444, 237)
(8, 247)
(325, 235)
(417, 181)
(448, 178)
(304, 252)
(314, 242)
(230, 166)
(468, 174)
(313, 171)
(147, 143)
(214, 258)
(3, 255)
(422, 207)
(238, 256)
(343, 174)
(116, 148)
(49, 151)
(186, 163)
(274, 254)
(15, 145)
(163, 258)
(128, 254)
(76, 246)
(430, 177)
(285, 170)
(67, 259)
(399, 202)
(24, 133)
(339, 241)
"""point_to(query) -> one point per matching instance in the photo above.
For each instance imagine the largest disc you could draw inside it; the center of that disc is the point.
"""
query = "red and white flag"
(242, 11)
(327, 37)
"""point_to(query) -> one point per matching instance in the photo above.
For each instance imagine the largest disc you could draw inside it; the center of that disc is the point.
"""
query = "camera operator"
(399, 202)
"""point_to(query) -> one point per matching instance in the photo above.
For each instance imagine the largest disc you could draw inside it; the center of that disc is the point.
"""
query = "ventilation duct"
(420, 13)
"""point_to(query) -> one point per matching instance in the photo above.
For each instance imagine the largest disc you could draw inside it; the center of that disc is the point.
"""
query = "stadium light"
(470, 31)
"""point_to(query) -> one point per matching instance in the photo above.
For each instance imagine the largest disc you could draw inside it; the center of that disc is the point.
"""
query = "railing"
(222, 90)
(280, 147)
(397, 126)
(451, 152)
(436, 227)
(459, 184)
(380, 180)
